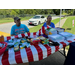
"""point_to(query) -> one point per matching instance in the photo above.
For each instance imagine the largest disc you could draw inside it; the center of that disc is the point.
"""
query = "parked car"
(37, 19)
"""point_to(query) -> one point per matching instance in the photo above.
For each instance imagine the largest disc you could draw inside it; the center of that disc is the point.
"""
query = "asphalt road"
(6, 27)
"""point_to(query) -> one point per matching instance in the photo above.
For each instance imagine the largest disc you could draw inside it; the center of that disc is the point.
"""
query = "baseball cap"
(16, 18)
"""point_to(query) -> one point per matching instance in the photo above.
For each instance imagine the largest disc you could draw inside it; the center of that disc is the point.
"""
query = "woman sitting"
(49, 23)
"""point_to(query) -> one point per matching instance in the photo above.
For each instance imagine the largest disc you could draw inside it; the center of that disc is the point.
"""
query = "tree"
(17, 10)
(22, 12)
(3, 12)
(56, 11)
(13, 13)
(35, 11)
(30, 11)
(8, 11)
(45, 11)
(73, 11)
(50, 11)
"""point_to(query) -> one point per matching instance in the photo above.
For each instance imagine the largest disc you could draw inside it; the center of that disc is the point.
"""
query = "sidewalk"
(61, 22)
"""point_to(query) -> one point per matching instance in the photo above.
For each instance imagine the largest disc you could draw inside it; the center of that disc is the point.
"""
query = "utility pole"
(60, 16)
(73, 12)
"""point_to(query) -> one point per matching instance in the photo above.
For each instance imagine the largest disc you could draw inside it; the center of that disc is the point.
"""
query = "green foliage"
(27, 11)
(56, 11)
(6, 20)
(64, 13)
(13, 13)
(35, 11)
(69, 27)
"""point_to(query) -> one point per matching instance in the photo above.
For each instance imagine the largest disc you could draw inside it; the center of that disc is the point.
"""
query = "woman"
(49, 23)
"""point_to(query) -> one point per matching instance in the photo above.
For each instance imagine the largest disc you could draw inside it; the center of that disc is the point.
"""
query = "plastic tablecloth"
(33, 53)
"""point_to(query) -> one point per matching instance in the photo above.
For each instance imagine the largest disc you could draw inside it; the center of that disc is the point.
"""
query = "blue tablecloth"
(70, 59)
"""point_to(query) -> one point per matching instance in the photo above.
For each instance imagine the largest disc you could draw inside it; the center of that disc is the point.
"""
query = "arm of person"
(45, 24)
(12, 35)
(12, 32)
(26, 28)
(53, 26)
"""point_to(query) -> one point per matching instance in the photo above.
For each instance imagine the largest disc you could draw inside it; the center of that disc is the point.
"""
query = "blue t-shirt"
(51, 25)
(15, 30)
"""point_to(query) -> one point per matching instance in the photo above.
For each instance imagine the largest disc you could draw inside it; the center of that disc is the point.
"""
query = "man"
(18, 28)
(49, 23)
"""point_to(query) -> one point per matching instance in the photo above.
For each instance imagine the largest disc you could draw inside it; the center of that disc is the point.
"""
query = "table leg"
(64, 53)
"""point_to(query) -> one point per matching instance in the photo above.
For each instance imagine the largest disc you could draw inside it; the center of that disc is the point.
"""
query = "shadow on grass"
(68, 29)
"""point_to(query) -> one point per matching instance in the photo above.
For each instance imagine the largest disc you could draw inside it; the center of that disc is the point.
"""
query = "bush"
(65, 14)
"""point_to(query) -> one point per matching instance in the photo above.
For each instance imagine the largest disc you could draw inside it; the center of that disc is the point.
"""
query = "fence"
(21, 15)
(12, 16)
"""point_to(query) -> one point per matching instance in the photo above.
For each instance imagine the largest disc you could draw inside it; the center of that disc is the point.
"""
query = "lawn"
(6, 20)
(68, 26)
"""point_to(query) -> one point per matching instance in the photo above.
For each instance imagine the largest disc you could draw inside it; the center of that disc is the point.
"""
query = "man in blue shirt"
(49, 23)
(18, 28)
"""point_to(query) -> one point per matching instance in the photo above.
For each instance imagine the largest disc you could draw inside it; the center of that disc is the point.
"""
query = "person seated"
(18, 28)
(49, 23)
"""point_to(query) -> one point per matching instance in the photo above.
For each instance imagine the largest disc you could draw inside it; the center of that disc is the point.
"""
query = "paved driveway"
(6, 27)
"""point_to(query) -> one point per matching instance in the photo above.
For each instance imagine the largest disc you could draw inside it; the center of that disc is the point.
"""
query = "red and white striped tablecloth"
(33, 53)
(40, 32)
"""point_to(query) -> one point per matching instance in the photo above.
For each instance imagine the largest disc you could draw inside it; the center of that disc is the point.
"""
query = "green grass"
(6, 20)
(36, 28)
(56, 20)
(68, 26)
